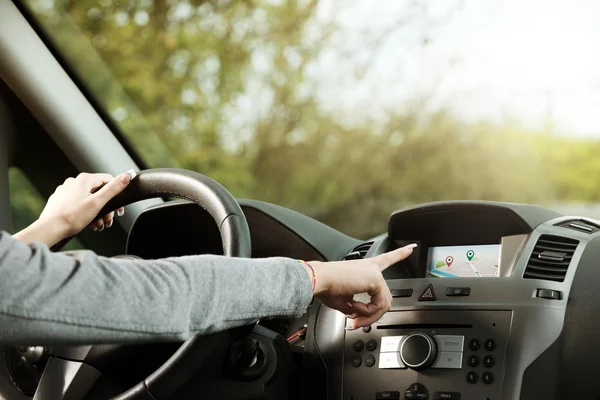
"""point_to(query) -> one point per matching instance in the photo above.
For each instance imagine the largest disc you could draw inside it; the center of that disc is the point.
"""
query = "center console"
(418, 355)
(477, 312)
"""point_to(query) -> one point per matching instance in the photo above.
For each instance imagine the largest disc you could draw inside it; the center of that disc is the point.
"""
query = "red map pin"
(449, 260)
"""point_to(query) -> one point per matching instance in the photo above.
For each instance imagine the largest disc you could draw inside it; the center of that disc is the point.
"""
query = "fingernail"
(101, 228)
(349, 328)
(109, 223)
(120, 212)
(128, 176)
(412, 245)
(94, 229)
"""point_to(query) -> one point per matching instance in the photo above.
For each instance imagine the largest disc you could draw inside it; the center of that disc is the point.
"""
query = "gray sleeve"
(51, 298)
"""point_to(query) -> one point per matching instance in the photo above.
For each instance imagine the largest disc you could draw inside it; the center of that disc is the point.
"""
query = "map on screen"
(463, 261)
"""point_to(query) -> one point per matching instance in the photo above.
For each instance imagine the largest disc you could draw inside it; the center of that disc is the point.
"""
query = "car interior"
(499, 301)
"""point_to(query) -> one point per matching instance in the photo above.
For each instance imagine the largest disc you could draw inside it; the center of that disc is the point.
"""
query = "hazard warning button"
(428, 294)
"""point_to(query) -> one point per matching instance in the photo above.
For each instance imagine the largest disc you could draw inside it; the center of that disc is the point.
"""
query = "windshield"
(347, 110)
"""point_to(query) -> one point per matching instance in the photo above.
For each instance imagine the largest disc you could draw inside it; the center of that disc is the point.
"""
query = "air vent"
(550, 258)
(359, 251)
(580, 225)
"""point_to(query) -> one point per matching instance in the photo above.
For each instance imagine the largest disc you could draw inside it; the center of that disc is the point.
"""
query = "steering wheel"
(69, 377)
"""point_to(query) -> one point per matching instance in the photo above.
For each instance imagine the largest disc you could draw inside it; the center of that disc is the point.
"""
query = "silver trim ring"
(427, 338)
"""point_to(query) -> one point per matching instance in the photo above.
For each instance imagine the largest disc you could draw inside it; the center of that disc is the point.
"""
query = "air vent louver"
(359, 251)
(580, 225)
(550, 258)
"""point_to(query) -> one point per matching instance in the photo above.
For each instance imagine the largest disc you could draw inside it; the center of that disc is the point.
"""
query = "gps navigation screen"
(463, 261)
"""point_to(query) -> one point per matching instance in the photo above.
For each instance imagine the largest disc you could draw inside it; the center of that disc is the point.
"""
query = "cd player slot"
(424, 326)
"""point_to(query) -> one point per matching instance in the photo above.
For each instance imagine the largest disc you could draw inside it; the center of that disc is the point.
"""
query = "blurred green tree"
(223, 87)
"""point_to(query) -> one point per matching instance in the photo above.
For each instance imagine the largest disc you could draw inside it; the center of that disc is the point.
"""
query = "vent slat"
(546, 277)
(546, 268)
(580, 225)
(555, 248)
(361, 249)
(541, 263)
(541, 268)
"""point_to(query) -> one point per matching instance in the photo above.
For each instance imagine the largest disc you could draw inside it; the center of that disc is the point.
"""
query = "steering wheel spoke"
(66, 380)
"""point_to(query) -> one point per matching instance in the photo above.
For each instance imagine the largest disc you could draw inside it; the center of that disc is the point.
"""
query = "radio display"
(463, 261)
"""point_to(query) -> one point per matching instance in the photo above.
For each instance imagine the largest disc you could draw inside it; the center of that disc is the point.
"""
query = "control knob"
(418, 351)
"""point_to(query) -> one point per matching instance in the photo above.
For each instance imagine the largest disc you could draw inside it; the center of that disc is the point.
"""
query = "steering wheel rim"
(235, 236)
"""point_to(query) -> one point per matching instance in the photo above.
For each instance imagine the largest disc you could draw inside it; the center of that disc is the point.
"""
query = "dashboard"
(495, 303)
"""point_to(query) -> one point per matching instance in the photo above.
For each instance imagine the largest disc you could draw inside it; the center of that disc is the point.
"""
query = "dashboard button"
(549, 294)
(369, 361)
(390, 343)
(387, 396)
(487, 378)
(367, 329)
(489, 361)
(472, 377)
(356, 361)
(473, 361)
(390, 361)
(428, 294)
(450, 342)
(446, 396)
(371, 345)
(489, 345)
(458, 291)
(474, 344)
(358, 345)
(449, 360)
(401, 292)
(416, 391)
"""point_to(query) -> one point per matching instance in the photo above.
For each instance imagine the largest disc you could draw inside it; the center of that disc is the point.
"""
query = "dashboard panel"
(468, 336)
(515, 330)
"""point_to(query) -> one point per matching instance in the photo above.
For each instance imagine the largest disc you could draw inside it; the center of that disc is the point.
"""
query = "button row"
(359, 345)
(420, 393)
(357, 361)
(488, 361)
(446, 360)
(429, 292)
(489, 345)
(473, 377)
(444, 343)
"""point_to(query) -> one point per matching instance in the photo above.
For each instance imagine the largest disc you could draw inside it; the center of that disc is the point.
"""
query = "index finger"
(392, 257)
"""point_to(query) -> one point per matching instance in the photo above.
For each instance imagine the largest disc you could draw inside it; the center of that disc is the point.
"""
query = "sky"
(529, 60)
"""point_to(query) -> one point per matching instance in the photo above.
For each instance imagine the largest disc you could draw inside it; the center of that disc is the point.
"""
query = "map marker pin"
(449, 260)
(470, 254)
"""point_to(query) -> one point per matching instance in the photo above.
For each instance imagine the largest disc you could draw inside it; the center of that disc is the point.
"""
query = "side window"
(27, 204)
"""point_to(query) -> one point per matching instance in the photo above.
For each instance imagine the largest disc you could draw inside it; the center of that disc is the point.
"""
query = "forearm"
(52, 298)
(43, 231)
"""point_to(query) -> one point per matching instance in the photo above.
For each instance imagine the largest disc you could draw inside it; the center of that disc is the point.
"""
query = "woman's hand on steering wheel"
(73, 205)
(337, 282)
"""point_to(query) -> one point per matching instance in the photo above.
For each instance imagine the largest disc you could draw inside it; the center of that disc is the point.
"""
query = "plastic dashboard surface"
(179, 228)
(481, 338)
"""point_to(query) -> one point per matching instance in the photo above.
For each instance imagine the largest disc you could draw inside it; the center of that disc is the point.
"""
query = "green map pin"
(470, 254)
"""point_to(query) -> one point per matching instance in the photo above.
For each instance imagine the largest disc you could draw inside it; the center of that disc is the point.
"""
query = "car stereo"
(425, 355)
